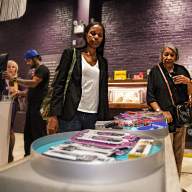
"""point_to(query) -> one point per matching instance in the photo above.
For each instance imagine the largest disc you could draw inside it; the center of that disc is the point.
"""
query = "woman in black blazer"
(86, 98)
(159, 98)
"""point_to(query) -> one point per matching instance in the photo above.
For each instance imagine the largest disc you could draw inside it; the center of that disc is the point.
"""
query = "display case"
(127, 94)
(164, 179)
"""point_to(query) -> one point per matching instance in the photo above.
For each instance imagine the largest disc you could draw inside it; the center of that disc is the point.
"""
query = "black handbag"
(184, 111)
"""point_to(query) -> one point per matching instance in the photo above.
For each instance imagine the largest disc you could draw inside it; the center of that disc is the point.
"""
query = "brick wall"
(137, 29)
(46, 26)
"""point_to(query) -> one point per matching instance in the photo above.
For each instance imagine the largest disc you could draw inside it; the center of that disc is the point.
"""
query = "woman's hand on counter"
(167, 116)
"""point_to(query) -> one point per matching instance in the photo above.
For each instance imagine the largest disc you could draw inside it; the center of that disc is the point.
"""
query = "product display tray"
(91, 172)
(156, 133)
(148, 122)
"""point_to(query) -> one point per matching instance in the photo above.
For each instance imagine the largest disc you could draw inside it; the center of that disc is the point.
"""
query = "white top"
(90, 87)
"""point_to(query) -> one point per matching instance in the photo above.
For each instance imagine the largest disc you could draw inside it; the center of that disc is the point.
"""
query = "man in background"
(35, 126)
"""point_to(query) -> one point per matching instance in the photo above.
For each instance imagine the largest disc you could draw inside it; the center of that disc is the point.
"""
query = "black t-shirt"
(36, 94)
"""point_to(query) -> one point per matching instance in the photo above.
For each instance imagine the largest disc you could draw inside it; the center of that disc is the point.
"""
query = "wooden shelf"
(127, 83)
(127, 105)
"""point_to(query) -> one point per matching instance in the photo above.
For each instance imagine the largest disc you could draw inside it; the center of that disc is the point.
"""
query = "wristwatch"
(157, 110)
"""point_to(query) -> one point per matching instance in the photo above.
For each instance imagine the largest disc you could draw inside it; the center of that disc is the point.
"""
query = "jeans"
(79, 122)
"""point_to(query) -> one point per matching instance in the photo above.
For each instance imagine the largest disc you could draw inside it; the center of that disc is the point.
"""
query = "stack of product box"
(140, 120)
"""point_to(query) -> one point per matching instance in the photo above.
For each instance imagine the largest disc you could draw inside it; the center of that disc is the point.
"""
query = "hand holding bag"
(184, 113)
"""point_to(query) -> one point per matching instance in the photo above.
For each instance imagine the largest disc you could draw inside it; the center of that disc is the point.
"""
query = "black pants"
(15, 108)
(35, 126)
(11, 146)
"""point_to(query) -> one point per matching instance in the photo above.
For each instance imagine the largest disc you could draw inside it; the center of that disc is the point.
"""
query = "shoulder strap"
(165, 79)
(70, 73)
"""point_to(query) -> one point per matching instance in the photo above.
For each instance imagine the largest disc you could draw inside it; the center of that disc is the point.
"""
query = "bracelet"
(158, 110)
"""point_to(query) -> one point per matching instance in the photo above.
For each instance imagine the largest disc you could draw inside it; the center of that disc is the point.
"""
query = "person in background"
(35, 126)
(86, 98)
(11, 90)
(158, 97)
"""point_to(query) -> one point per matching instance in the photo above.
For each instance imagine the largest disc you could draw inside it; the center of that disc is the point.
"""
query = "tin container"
(91, 172)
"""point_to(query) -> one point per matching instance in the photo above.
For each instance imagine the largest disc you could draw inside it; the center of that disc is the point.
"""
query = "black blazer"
(157, 90)
(68, 109)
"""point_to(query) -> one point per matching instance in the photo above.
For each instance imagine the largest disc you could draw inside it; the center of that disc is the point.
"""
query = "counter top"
(20, 176)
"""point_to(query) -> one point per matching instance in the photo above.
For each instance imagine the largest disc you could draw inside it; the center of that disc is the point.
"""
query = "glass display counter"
(127, 94)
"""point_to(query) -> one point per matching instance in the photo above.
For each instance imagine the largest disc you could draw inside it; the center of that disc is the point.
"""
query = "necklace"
(93, 56)
(90, 58)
